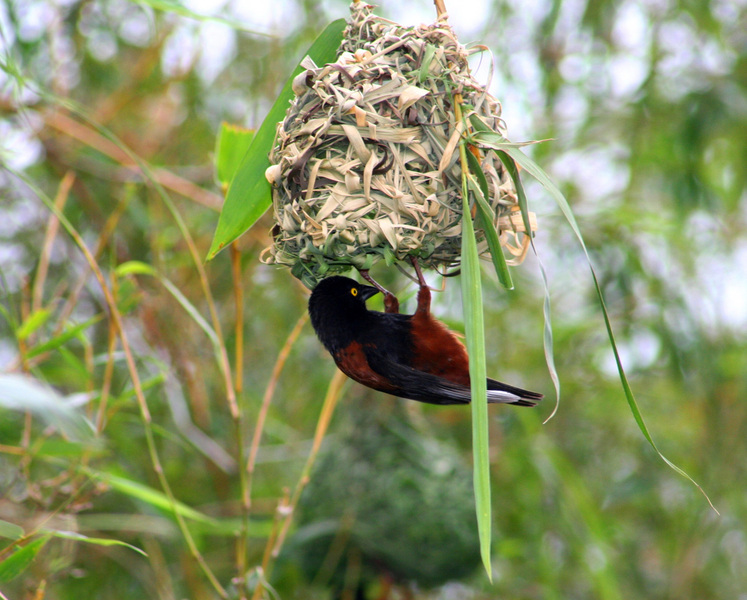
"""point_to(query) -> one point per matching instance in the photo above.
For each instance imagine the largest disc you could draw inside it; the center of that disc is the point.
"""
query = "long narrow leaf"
(79, 537)
(135, 267)
(475, 341)
(63, 338)
(249, 194)
(538, 173)
(10, 530)
(19, 561)
(24, 393)
(149, 495)
(178, 8)
(547, 339)
(485, 216)
(35, 320)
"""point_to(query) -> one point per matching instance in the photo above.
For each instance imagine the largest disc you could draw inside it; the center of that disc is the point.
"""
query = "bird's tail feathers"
(507, 394)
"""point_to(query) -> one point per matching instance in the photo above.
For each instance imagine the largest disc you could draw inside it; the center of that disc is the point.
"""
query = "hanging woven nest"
(366, 163)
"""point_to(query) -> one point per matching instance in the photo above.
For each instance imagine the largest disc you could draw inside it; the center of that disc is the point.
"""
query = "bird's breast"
(437, 350)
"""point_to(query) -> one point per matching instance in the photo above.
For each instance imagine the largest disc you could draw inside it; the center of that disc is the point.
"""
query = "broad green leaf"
(79, 537)
(18, 562)
(230, 147)
(35, 320)
(24, 393)
(249, 194)
(474, 329)
(10, 530)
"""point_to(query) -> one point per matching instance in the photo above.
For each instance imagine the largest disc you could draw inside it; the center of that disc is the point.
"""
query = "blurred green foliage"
(109, 111)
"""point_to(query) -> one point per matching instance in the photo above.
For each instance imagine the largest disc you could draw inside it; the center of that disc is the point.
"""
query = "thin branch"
(274, 377)
(53, 226)
(441, 10)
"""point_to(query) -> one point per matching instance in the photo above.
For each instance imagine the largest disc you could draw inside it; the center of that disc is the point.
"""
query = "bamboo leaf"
(521, 195)
(10, 530)
(35, 320)
(134, 267)
(538, 173)
(149, 495)
(547, 338)
(63, 338)
(79, 537)
(230, 147)
(177, 8)
(425, 63)
(24, 393)
(249, 194)
(475, 342)
(479, 186)
(19, 561)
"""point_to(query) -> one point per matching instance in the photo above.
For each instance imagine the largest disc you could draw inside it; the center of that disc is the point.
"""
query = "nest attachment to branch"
(366, 163)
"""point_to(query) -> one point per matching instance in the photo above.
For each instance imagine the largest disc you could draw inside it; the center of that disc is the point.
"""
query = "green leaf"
(148, 495)
(139, 268)
(177, 8)
(521, 195)
(193, 313)
(134, 267)
(79, 537)
(474, 330)
(55, 447)
(230, 147)
(547, 338)
(425, 63)
(10, 530)
(485, 216)
(23, 393)
(18, 562)
(538, 173)
(35, 320)
(63, 338)
(249, 194)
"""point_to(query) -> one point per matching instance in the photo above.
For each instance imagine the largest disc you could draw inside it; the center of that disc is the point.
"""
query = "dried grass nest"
(366, 163)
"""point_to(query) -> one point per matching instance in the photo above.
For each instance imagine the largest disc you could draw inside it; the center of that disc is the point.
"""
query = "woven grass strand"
(364, 164)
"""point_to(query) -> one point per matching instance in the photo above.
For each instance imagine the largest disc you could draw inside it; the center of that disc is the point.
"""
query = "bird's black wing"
(424, 387)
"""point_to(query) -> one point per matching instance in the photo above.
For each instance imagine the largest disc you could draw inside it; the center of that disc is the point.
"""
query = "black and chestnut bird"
(410, 356)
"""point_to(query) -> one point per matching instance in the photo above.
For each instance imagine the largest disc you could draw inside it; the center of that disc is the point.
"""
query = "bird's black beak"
(366, 291)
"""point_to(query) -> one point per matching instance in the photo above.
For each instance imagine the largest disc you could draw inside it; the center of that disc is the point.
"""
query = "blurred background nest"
(387, 502)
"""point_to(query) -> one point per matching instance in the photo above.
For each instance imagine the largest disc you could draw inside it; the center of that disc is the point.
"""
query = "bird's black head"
(338, 308)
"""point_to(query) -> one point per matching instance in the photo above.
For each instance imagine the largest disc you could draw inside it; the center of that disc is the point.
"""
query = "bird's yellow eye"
(354, 291)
